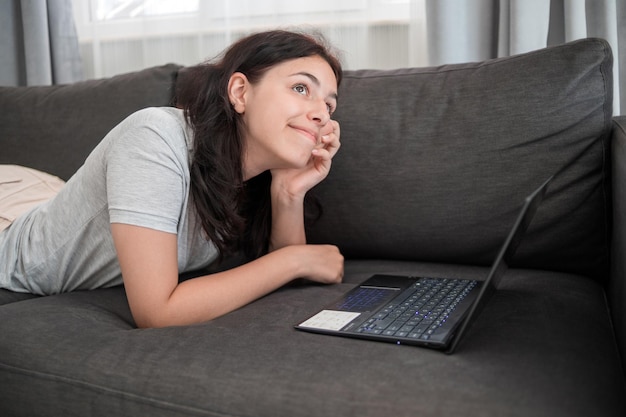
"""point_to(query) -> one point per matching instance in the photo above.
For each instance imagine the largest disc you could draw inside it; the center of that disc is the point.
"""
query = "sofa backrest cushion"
(436, 162)
(54, 128)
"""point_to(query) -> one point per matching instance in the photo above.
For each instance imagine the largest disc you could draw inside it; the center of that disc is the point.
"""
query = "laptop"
(421, 311)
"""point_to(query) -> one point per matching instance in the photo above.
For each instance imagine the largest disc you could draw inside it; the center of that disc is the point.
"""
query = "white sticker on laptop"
(330, 320)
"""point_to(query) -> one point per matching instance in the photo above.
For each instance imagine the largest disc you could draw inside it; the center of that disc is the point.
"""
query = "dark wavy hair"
(235, 215)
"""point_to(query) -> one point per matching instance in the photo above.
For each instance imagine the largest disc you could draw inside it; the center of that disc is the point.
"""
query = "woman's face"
(285, 114)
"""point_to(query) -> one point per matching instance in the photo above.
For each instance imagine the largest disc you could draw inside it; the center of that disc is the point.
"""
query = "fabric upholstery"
(54, 128)
(544, 352)
(434, 166)
(436, 162)
(617, 286)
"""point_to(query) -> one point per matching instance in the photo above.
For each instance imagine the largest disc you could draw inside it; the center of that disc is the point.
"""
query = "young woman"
(170, 190)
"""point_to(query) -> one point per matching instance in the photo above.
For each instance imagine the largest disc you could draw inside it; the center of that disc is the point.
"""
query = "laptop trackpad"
(330, 320)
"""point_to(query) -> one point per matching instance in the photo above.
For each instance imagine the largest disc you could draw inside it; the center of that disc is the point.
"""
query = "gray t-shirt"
(139, 175)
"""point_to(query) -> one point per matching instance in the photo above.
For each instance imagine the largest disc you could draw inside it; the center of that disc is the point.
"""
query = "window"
(105, 10)
(126, 35)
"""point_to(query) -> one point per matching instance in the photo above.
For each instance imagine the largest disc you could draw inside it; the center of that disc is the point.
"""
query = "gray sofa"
(434, 165)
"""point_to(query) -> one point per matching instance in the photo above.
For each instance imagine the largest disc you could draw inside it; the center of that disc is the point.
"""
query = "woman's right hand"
(319, 263)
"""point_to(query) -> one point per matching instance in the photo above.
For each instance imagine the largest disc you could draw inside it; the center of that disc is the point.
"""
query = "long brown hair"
(236, 214)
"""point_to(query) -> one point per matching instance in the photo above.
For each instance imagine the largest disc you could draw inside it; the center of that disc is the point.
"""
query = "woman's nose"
(319, 112)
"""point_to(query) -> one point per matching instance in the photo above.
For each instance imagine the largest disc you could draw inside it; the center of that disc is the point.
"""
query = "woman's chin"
(301, 162)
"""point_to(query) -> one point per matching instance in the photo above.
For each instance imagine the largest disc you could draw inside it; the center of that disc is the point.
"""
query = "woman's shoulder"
(158, 116)
(162, 124)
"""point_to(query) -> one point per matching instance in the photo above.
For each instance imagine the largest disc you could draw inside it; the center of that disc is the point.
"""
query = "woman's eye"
(301, 89)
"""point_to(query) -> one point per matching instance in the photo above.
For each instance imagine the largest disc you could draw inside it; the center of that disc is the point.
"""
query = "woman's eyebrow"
(315, 81)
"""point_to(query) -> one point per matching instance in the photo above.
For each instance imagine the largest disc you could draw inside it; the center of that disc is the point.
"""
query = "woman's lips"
(311, 135)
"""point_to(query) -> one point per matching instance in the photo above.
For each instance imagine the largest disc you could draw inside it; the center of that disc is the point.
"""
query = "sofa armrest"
(617, 284)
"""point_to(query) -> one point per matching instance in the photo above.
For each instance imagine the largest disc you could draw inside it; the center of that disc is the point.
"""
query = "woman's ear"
(237, 87)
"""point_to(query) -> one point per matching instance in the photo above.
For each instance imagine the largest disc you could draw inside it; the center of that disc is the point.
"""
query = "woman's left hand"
(296, 182)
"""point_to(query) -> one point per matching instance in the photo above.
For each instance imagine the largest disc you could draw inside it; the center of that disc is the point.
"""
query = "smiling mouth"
(308, 134)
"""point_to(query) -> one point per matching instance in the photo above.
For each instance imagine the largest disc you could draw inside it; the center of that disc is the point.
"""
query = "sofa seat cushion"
(542, 347)
(435, 162)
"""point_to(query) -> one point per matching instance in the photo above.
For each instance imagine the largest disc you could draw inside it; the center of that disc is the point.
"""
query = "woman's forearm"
(207, 297)
(148, 261)
(287, 221)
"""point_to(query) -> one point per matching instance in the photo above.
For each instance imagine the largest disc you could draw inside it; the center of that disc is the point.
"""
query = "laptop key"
(406, 328)
(383, 324)
(370, 331)
(420, 329)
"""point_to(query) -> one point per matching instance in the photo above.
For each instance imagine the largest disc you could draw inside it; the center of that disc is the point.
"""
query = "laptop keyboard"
(420, 314)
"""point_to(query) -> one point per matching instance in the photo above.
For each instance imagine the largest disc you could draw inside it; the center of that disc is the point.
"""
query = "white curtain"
(126, 35)
(38, 43)
(472, 30)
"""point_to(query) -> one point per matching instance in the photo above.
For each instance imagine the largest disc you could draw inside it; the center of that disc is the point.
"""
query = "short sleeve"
(147, 171)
